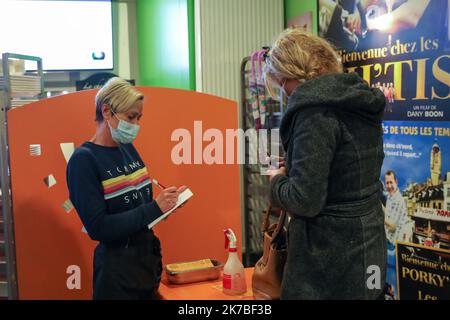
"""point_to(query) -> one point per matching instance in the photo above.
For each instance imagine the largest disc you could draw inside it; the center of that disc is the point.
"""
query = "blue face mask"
(283, 90)
(125, 133)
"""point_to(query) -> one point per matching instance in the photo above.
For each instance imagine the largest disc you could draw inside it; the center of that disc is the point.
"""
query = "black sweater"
(111, 191)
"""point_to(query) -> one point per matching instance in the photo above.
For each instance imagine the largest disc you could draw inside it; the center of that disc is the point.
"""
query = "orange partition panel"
(51, 247)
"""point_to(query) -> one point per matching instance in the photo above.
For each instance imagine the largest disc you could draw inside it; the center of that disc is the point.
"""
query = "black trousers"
(128, 271)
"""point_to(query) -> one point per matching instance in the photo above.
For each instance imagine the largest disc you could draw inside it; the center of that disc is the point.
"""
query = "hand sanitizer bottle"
(233, 271)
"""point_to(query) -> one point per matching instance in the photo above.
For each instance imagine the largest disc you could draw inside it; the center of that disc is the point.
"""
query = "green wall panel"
(165, 43)
(293, 8)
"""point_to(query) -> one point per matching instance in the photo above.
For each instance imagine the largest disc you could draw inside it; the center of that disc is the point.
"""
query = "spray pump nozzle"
(230, 239)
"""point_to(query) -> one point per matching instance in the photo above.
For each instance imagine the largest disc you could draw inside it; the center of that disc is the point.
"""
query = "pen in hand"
(158, 184)
(167, 198)
(171, 191)
(179, 190)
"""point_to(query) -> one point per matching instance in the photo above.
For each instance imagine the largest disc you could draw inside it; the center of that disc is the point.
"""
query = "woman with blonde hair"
(329, 186)
(110, 188)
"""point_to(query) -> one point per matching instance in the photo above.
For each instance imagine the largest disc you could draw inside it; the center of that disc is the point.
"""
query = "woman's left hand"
(180, 190)
(274, 172)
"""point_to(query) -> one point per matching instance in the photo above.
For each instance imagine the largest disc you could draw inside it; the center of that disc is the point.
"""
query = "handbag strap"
(266, 221)
(281, 220)
(280, 225)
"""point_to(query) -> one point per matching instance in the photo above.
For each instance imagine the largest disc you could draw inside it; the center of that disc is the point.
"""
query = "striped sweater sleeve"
(87, 196)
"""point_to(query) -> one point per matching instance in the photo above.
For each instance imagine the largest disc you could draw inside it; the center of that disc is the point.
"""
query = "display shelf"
(256, 186)
(23, 87)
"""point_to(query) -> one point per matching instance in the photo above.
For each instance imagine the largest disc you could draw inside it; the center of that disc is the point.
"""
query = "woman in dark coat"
(332, 135)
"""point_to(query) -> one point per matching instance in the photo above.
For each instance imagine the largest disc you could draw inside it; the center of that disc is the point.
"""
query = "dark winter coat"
(332, 135)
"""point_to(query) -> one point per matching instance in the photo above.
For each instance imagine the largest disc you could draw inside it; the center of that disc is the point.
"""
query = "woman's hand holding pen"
(167, 198)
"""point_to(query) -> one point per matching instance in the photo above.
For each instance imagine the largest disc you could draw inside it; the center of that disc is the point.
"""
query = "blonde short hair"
(118, 94)
(298, 54)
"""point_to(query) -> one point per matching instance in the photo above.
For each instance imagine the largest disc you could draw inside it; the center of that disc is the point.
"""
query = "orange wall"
(48, 239)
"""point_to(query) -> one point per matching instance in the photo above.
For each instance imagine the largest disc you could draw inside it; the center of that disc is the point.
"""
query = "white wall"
(226, 32)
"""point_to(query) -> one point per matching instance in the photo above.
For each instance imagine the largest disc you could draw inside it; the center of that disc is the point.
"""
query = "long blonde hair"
(297, 54)
(118, 94)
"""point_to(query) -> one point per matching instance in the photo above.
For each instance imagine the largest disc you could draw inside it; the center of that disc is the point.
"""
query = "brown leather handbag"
(268, 272)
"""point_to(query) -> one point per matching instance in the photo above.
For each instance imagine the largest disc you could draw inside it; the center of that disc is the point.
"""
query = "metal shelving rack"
(255, 185)
(8, 285)
(38, 73)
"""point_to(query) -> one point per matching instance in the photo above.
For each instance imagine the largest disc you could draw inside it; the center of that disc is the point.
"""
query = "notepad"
(182, 198)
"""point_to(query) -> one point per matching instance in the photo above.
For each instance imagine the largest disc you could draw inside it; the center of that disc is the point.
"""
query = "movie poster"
(423, 273)
(416, 181)
(399, 46)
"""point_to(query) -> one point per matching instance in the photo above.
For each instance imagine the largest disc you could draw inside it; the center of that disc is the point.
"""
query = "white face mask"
(125, 132)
